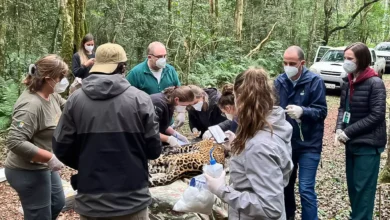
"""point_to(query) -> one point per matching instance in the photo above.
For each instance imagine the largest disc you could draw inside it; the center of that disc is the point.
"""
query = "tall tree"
(238, 19)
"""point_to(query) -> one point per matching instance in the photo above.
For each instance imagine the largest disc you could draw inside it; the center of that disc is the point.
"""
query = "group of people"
(109, 128)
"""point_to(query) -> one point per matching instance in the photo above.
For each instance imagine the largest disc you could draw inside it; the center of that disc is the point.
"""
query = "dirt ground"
(331, 182)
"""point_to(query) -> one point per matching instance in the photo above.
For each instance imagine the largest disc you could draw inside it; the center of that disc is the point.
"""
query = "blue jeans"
(40, 192)
(308, 164)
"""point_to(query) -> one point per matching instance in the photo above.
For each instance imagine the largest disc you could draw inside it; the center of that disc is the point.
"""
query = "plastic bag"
(195, 199)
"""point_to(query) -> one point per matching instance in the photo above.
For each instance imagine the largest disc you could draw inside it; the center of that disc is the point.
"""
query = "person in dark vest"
(361, 126)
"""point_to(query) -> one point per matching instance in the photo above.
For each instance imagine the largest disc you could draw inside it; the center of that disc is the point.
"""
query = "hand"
(89, 62)
(294, 111)
(343, 138)
(207, 135)
(214, 184)
(180, 137)
(336, 138)
(172, 141)
(195, 132)
(179, 120)
(55, 164)
(231, 136)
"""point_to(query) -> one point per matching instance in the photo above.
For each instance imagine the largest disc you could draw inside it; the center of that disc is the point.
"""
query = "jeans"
(141, 215)
(40, 192)
(308, 164)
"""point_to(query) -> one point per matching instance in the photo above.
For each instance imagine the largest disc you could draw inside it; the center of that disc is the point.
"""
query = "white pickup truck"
(328, 63)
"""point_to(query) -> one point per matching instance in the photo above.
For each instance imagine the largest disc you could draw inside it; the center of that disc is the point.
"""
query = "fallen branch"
(258, 48)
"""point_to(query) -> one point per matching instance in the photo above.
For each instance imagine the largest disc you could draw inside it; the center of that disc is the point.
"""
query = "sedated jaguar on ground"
(186, 161)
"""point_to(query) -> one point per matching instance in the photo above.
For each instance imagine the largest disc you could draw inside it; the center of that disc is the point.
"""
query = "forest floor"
(330, 185)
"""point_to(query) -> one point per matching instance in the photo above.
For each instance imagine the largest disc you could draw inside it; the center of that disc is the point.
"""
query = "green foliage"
(9, 93)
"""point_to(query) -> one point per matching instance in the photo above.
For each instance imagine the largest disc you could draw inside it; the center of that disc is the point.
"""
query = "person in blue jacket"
(302, 94)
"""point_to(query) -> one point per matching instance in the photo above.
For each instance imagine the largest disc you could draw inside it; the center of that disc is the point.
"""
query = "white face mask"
(88, 48)
(198, 106)
(161, 62)
(291, 71)
(349, 66)
(229, 116)
(61, 86)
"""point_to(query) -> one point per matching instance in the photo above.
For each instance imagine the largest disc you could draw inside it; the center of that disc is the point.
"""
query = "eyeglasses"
(159, 56)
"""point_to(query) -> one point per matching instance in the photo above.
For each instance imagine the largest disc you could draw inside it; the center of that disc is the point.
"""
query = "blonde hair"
(199, 93)
(51, 66)
(254, 102)
(82, 51)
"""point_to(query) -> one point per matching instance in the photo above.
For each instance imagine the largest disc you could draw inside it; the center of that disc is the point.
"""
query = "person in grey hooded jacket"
(261, 164)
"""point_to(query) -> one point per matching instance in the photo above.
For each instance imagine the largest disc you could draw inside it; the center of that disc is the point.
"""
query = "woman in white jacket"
(261, 163)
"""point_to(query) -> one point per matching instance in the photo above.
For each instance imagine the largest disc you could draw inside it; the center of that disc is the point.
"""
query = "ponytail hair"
(254, 102)
(227, 96)
(184, 93)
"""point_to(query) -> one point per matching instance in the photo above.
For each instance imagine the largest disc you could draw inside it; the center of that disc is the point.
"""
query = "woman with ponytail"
(165, 103)
(31, 167)
(261, 164)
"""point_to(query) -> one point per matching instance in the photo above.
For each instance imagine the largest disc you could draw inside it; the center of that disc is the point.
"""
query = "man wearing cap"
(108, 132)
(154, 75)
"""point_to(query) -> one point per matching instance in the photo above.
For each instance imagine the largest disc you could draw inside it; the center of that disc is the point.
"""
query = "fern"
(9, 93)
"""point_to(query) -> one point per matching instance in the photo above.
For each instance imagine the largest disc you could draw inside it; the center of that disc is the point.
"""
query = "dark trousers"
(141, 215)
(362, 174)
(40, 192)
(307, 164)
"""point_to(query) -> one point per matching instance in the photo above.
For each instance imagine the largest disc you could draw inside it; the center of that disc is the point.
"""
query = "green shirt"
(142, 78)
(33, 122)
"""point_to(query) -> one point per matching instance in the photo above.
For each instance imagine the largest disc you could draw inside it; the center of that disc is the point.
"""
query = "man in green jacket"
(154, 75)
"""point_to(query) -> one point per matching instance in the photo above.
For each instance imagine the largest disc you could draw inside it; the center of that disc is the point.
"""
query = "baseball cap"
(107, 57)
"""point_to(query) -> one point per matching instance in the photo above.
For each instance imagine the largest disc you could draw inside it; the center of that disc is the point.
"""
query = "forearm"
(164, 138)
(42, 156)
(170, 131)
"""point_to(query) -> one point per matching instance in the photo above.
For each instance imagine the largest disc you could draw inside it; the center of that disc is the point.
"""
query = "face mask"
(61, 86)
(88, 48)
(291, 71)
(349, 66)
(161, 62)
(229, 116)
(198, 106)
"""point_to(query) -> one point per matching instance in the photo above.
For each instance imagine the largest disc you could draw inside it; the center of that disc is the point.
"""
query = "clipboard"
(218, 134)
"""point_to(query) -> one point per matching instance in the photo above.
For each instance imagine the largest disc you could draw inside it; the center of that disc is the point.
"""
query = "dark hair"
(227, 96)
(82, 51)
(254, 101)
(120, 69)
(362, 54)
(184, 93)
(51, 66)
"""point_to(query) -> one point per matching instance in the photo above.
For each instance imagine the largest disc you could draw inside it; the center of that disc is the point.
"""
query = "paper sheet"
(218, 134)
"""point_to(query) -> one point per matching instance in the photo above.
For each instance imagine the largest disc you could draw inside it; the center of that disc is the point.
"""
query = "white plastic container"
(198, 182)
(214, 169)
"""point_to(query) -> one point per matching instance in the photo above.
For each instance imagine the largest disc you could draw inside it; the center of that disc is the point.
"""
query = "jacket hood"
(280, 126)
(214, 96)
(102, 86)
(366, 74)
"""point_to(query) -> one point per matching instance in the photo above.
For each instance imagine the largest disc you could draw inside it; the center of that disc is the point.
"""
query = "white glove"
(213, 184)
(336, 138)
(231, 136)
(172, 141)
(55, 164)
(207, 135)
(180, 137)
(294, 111)
(195, 132)
(343, 138)
(179, 120)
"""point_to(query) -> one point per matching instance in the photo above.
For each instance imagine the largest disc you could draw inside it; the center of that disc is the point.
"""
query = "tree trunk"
(313, 29)
(67, 8)
(53, 48)
(238, 19)
(79, 18)
(3, 34)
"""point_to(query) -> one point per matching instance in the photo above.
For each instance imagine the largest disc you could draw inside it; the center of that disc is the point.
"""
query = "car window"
(383, 47)
(333, 56)
(373, 56)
